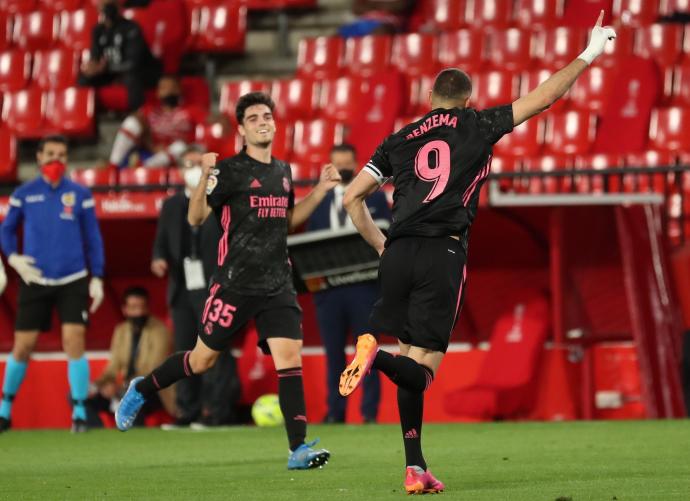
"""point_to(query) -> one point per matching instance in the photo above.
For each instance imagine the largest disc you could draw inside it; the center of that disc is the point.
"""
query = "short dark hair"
(55, 138)
(452, 84)
(252, 99)
(135, 291)
(344, 148)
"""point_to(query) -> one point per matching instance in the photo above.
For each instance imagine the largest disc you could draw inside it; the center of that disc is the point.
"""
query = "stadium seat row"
(473, 50)
(167, 26)
(453, 14)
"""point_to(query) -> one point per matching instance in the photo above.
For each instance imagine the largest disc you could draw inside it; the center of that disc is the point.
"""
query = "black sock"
(291, 397)
(176, 367)
(403, 371)
(411, 409)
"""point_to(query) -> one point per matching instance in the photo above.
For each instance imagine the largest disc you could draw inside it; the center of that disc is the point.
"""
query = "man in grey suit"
(187, 254)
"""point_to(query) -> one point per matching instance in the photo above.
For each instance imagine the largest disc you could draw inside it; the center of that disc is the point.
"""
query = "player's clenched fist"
(330, 177)
(208, 161)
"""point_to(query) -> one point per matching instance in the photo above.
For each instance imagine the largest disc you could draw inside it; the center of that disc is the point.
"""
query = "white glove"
(597, 40)
(23, 266)
(3, 278)
(95, 293)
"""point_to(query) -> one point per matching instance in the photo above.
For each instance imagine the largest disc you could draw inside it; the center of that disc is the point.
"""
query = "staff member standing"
(345, 310)
(188, 254)
(62, 242)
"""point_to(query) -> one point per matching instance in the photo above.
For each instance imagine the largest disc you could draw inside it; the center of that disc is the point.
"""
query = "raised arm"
(198, 205)
(301, 211)
(558, 84)
(354, 202)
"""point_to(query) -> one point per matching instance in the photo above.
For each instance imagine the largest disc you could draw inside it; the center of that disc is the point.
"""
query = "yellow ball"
(266, 411)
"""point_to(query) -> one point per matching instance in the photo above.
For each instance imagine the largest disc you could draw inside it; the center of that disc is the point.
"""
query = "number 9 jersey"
(438, 165)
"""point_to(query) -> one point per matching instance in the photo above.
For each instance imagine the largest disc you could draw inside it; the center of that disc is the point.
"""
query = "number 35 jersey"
(438, 165)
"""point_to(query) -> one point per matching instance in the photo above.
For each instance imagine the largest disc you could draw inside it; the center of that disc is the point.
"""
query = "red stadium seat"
(18, 6)
(165, 27)
(503, 164)
(8, 155)
(493, 13)
(635, 12)
(230, 92)
(195, 92)
(142, 176)
(661, 42)
(217, 137)
(301, 172)
(592, 89)
(15, 69)
(539, 13)
(680, 94)
(525, 140)
(447, 15)
(548, 184)
(94, 177)
(401, 122)
(283, 140)
(415, 54)
(559, 46)
(614, 53)
(314, 139)
(5, 30)
(669, 129)
(417, 93)
(279, 4)
(295, 99)
(76, 27)
(511, 49)
(636, 183)
(220, 28)
(570, 133)
(463, 49)
(670, 7)
(35, 30)
(61, 5)
(340, 99)
(320, 57)
(22, 112)
(71, 111)
(597, 184)
(530, 80)
(56, 68)
(494, 88)
(368, 55)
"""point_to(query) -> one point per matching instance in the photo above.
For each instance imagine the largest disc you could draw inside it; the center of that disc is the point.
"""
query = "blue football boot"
(129, 406)
(304, 457)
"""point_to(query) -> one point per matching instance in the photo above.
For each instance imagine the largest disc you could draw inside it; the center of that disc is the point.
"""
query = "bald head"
(452, 88)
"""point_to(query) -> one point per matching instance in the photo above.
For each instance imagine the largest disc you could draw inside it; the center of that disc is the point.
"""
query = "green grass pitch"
(578, 461)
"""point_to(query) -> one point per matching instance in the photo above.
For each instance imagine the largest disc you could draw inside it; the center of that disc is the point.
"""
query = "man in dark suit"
(345, 310)
(188, 255)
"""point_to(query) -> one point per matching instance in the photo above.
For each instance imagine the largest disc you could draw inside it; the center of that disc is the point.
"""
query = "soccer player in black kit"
(252, 197)
(438, 165)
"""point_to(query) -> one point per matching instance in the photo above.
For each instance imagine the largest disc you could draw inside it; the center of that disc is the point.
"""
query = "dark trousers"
(211, 396)
(342, 312)
(96, 404)
(136, 83)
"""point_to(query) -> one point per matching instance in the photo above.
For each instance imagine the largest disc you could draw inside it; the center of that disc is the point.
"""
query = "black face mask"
(171, 100)
(138, 322)
(346, 175)
(111, 11)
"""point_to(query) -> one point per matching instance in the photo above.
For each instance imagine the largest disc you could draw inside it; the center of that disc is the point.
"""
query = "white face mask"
(192, 176)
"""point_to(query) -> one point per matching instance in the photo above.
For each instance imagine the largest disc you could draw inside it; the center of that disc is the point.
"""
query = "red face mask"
(53, 171)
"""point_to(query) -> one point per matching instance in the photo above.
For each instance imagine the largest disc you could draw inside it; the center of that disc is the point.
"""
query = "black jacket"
(169, 245)
(123, 46)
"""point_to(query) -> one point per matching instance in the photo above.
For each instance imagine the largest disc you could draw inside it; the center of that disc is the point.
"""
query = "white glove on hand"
(597, 41)
(3, 278)
(95, 293)
(23, 266)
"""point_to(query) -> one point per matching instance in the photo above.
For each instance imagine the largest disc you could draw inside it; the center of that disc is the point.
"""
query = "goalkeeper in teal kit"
(62, 244)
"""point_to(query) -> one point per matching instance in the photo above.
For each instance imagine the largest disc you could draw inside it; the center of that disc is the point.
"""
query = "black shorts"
(36, 302)
(421, 284)
(226, 313)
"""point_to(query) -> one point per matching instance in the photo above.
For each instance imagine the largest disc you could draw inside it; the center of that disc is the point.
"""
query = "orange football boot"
(353, 374)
